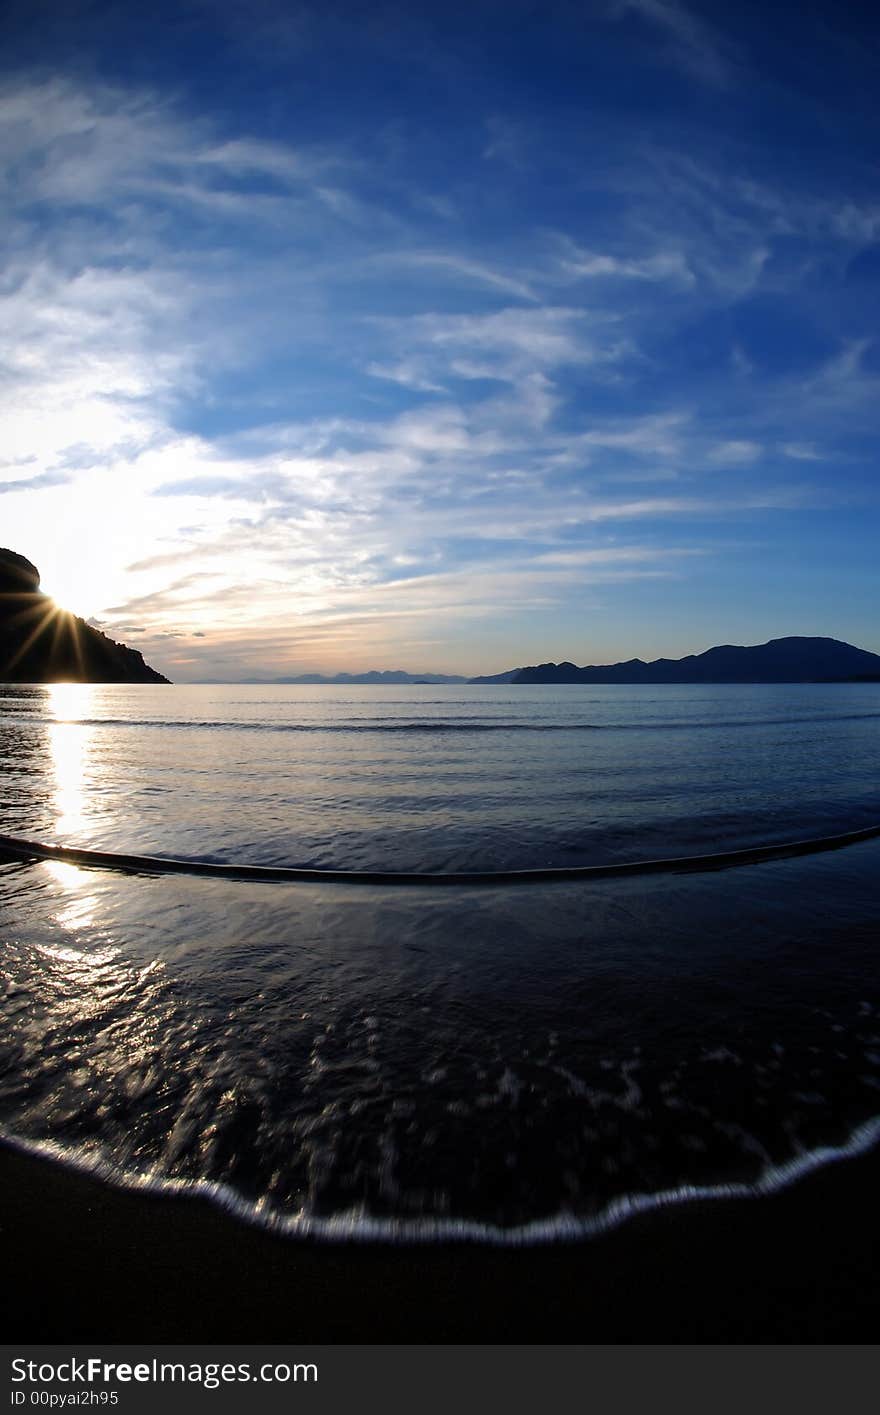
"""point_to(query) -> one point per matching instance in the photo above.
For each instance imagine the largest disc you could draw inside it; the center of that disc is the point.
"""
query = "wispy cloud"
(738, 452)
(457, 269)
(41, 482)
(408, 372)
(694, 44)
(802, 452)
(660, 266)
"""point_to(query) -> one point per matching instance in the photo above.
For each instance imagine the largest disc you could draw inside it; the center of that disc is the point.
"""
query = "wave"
(21, 849)
(359, 1227)
(336, 727)
(428, 727)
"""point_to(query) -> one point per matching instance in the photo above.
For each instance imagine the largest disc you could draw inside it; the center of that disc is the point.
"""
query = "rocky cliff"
(40, 643)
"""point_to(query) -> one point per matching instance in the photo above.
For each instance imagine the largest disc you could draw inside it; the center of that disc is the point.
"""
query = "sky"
(445, 337)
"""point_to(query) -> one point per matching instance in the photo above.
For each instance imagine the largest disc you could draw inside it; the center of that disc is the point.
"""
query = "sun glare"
(70, 743)
(70, 701)
(69, 875)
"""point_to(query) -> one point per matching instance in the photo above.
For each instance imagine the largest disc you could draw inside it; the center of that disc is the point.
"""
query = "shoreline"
(86, 1261)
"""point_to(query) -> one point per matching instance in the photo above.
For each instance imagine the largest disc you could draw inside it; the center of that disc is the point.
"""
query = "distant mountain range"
(789, 660)
(392, 675)
(40, 643)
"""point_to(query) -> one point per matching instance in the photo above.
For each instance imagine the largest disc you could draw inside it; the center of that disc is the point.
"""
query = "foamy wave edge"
(353, 1227)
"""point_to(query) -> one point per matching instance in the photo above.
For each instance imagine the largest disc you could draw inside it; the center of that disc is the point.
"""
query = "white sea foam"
(356, 1226)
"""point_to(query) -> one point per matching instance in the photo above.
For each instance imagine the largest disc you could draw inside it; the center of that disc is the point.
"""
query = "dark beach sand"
(84, 1261)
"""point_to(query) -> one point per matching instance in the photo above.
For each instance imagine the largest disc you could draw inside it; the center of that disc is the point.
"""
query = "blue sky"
(441, 337)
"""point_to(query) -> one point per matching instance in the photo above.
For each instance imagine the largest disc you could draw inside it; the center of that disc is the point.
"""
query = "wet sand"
(84, 1261)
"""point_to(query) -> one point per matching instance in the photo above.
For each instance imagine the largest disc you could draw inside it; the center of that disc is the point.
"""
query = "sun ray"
(67, 623)
(46, 617)
(65, 635)
(57, 628)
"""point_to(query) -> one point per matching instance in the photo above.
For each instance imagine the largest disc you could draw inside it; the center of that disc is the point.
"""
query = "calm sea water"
(497, 1062)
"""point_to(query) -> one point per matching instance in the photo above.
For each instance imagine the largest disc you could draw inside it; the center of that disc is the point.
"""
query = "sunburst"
(48, 616)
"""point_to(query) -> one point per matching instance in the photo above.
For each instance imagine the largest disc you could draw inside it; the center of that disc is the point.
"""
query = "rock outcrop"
(40, 643)
(17, 575)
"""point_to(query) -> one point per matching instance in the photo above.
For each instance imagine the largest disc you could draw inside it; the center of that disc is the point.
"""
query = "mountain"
(391, 675)
(511, 676)
(40, 643)
(789, 660)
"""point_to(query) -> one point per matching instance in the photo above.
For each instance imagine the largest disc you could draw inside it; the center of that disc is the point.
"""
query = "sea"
(506, 1062)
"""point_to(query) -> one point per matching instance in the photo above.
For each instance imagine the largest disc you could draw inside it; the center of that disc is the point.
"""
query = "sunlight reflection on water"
(70, 744)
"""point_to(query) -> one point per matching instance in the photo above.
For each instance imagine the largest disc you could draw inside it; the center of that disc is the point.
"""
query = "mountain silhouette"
(788, 660)
(388, 675)
(40, 643)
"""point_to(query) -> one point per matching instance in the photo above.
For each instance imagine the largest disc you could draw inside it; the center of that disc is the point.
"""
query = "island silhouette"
(794, 659)
(42, 643)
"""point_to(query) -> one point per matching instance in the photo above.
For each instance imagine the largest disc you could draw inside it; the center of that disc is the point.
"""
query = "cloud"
(802, 452)
(661, 266)
(408, 373)
(614, 555)
(658, 435)
(693, 44)
(235, 488)
(843, 375)
(783, 498)
(543, 337)
(738, 452)
(73, 144)
(519, 346)
(41, 482)
(458, 269)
